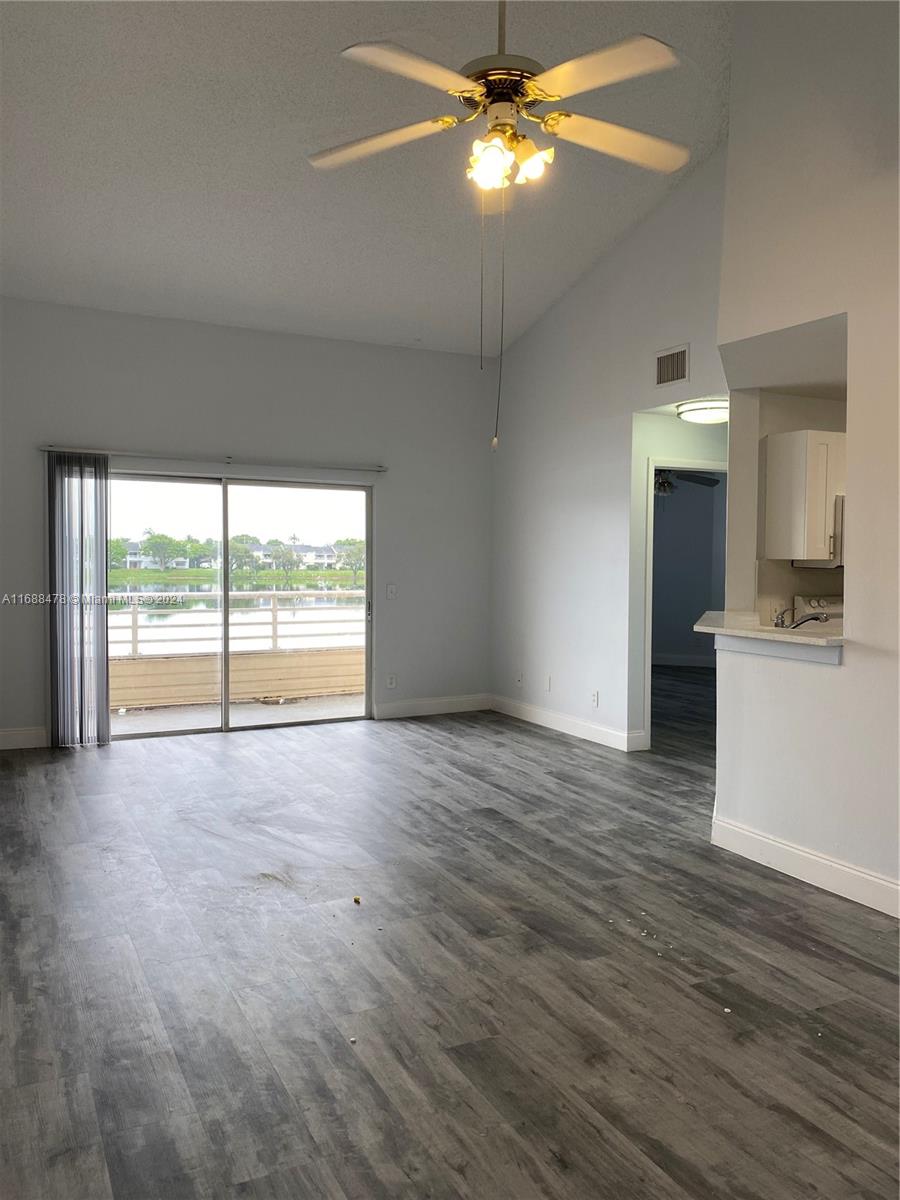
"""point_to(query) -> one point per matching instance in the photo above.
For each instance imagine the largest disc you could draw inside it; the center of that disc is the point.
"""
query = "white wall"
(86, 378)
(807, 760)
(562, 489)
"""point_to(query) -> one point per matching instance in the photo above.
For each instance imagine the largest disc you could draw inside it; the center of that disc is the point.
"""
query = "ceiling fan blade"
(384, 56)
(364, 147)
(703, 480)
(656, 154)
(639, 55)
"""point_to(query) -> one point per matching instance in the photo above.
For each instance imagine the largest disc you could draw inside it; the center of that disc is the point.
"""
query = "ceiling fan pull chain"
(481, 331)
(496, 438)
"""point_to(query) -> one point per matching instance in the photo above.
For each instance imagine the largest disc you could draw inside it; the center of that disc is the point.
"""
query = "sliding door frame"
(223, 481)
(224, 698)
(168, 477)
(227, 726)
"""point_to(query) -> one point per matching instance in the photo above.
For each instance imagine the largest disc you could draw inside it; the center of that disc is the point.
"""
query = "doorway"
(236, 604)
(686, 577)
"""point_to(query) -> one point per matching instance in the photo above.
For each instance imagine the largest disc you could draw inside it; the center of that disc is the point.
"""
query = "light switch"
(392, 591)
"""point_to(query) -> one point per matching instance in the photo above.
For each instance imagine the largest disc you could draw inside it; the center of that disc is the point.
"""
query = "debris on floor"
(356, 900)
(281, 877)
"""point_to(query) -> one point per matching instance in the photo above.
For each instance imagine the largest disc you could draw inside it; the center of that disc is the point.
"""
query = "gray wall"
(688, 570)
(86, 378)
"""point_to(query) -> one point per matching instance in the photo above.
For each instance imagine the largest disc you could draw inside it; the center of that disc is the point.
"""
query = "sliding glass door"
(165, 603)
(297, 626)
(235, 604)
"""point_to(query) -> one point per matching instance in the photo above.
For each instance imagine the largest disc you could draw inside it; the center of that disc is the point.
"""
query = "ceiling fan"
(664, 480)
(506, 88)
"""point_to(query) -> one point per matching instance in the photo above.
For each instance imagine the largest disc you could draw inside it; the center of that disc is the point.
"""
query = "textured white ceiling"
(154, 162)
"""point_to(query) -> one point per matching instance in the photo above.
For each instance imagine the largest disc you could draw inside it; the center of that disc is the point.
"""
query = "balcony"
(294, 655)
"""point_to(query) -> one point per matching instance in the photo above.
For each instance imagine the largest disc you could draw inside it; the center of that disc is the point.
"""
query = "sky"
(177, 507)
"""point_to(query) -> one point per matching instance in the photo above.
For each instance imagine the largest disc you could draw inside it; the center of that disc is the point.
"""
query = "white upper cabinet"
(805, 472)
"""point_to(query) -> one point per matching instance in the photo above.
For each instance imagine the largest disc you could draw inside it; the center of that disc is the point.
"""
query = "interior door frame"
(666, 463)
(225, 725)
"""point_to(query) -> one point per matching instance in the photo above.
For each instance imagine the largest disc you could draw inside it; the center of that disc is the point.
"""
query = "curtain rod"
(226, 460)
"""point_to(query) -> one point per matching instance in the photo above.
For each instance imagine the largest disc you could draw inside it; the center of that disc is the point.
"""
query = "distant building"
(136, 560)
(307, 556)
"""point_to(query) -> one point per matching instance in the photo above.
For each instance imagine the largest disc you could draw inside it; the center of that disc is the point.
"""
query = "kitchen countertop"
(746, 625)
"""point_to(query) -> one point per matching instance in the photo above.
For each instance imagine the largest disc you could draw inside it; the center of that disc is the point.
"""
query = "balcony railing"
(283, 646)
(260, 620)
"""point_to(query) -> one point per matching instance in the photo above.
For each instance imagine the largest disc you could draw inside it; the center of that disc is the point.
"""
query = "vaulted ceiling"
(154, 161)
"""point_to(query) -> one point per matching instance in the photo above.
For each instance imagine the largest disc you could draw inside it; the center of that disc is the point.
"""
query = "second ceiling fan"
(505, 88)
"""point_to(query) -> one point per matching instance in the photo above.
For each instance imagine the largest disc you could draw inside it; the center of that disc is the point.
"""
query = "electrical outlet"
(391, 591)
(391, 681)
(595, 699)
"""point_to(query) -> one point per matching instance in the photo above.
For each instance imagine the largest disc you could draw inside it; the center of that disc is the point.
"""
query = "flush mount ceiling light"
(710, 410)
(505, 88)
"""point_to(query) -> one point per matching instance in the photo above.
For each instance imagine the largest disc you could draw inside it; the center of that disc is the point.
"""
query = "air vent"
(672, 365)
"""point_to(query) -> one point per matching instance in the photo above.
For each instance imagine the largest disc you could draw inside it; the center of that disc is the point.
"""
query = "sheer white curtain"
(78, 497)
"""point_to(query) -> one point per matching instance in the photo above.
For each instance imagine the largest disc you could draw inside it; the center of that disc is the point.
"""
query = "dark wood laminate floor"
(553, 986)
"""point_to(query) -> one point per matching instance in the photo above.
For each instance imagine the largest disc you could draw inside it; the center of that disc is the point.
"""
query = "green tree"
(351, 555)
(195, 551)
(117, 552)
(240, 556)
(163, 548)
(283, 559)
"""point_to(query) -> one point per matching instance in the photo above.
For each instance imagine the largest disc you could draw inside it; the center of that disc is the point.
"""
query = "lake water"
(306, 623)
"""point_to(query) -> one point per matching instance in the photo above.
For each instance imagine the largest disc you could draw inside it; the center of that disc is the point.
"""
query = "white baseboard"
(865, 887)
(386, 710)
(684, 660)
(23, 739)
(578, 727)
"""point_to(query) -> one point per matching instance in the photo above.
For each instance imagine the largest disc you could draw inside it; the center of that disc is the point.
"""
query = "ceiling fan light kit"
(491, 162)
(532, 161)
(504, 89)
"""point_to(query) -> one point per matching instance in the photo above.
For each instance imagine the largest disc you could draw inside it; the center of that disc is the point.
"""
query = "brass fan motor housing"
(504, 78)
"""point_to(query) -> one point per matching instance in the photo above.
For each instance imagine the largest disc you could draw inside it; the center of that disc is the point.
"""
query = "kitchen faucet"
(780, 622)
(808, 617)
